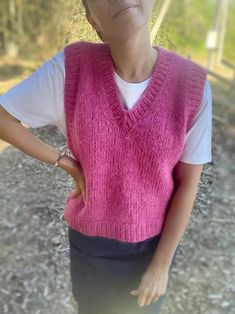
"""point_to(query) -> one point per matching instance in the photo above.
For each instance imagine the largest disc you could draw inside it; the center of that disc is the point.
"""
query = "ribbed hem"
(119, 231)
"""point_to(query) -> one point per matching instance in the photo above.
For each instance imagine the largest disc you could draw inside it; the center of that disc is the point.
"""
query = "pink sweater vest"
(127, 156)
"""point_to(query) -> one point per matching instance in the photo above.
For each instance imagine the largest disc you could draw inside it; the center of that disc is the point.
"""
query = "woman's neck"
(134, 59)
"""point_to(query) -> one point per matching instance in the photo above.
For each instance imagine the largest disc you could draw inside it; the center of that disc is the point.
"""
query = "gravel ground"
(34, 250)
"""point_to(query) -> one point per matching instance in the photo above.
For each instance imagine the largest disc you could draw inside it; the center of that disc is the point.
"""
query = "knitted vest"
(127, 156)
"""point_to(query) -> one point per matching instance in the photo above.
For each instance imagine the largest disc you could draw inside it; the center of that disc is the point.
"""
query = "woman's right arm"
(13, 132)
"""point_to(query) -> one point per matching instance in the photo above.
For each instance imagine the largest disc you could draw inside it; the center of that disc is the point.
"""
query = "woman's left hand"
(152, 286)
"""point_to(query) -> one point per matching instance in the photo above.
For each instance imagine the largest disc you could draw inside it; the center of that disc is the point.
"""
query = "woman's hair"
(84, 2)
(85, 6)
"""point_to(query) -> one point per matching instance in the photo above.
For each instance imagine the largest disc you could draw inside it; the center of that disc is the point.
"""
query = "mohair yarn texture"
(127, 156)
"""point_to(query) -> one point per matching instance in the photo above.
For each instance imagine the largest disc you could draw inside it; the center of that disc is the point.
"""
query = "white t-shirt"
(38, 100)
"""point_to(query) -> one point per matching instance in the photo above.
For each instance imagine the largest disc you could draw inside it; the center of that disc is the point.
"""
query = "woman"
(137, 120)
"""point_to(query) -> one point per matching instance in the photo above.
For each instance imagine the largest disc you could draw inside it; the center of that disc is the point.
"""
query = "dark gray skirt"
(104, 271)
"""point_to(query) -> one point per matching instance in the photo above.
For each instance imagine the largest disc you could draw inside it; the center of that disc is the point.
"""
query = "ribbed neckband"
(126, 119)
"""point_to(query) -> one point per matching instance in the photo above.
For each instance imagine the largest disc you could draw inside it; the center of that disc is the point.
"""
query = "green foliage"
(48, 26)
(230, 35)
(187, 23)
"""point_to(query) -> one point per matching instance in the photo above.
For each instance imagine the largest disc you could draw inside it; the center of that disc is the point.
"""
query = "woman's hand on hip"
(73, 167)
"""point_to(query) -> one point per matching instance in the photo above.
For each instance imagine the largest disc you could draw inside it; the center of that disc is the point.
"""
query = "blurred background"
(34, 247)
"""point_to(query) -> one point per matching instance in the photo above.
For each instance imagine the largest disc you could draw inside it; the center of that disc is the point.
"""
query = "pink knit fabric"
(127, 156)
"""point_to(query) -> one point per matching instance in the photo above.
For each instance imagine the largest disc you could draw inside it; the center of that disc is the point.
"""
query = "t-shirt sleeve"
(197, 145)
(38, 100)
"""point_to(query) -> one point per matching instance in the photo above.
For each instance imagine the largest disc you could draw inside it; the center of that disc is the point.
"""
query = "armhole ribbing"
(197, 76)
(71, 63)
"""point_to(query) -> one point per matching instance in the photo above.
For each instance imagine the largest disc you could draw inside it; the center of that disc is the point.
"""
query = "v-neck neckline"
(126, 118)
